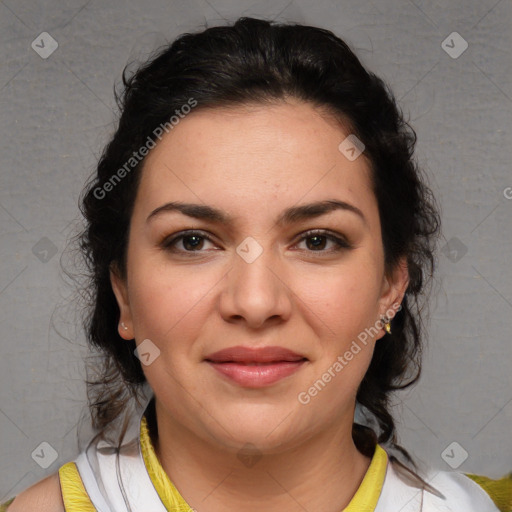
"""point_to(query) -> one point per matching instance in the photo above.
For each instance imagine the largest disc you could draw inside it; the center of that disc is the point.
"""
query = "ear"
(393, 289)
(120, 289)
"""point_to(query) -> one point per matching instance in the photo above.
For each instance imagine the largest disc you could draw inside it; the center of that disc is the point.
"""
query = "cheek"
(344, 300)
(166, 302)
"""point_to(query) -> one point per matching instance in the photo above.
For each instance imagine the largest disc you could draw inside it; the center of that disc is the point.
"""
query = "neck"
(321, 473)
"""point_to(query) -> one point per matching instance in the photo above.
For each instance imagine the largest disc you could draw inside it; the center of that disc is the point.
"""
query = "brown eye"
(317, 240)
(191, 241)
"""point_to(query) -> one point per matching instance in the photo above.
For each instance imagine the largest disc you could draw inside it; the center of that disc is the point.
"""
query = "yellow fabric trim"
(74, 495)
(170, 496)
(500, 491)
(367, 496)
(5, 504)
(76, 499)
(365, 499)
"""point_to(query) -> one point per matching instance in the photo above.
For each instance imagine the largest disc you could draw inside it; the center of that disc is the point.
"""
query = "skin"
(253, 162)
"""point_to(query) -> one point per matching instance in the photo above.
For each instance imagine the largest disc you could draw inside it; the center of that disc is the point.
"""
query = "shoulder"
(463, 491)
(500, 490)
(44, 496)
(439, 491)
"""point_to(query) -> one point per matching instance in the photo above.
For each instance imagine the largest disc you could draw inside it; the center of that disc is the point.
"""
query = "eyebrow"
(289, 216)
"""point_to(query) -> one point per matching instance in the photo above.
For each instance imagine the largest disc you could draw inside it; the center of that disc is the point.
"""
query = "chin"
(272, 433)
(252, 444)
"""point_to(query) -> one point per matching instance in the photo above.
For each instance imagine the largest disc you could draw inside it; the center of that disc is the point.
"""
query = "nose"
(256, 292)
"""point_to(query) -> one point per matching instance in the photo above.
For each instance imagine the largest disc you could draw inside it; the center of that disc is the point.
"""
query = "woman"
(260, 240)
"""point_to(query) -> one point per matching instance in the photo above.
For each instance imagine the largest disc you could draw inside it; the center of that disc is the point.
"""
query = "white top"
(461, 494)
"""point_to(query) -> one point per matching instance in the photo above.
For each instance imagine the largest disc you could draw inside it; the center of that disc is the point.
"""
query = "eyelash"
(169, 243)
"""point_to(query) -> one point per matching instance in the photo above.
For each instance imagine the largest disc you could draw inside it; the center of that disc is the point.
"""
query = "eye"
(191, 241)
(319, 238)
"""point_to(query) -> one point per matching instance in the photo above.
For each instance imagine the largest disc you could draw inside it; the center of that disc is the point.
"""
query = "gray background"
(57, 114)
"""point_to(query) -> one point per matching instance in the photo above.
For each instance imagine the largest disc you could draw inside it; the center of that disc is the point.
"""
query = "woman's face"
(258, 280)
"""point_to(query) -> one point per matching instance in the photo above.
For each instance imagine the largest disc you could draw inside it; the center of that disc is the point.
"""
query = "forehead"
(254, 157)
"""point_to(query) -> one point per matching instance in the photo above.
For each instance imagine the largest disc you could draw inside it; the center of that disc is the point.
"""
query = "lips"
(246, 355)
(255, 367)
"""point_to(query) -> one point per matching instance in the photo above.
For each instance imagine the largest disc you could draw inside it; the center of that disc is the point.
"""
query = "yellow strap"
(367, 496)
(76, 499)
(500, 490)
(365, 499)
(170, 496)
(74, 494)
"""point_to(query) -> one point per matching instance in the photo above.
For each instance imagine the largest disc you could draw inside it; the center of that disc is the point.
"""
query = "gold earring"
(388, 328)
